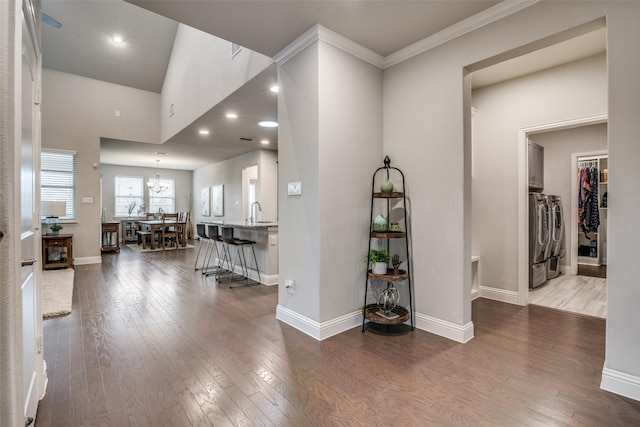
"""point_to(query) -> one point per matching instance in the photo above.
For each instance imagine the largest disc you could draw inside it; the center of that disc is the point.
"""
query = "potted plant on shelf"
(55, 229)
(379, 260)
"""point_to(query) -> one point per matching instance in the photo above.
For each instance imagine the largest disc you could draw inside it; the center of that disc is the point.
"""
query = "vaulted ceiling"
(83, 46)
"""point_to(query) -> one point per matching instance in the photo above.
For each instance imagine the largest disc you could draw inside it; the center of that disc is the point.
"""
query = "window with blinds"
(128, 196)
(58, 180)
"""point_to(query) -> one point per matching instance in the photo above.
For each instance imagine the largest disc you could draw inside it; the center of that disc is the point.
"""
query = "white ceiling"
(82, 46)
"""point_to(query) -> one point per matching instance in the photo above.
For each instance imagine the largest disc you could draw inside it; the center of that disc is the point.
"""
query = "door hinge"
(40, 344)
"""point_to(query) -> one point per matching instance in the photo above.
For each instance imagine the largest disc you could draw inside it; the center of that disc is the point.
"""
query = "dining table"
(153, 225)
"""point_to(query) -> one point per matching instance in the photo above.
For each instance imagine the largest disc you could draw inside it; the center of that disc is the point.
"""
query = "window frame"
(71, 212)
(124, 213)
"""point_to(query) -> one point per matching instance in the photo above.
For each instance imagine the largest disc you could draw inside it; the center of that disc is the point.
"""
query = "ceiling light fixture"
(161, 153)
(117, 38)
(265, 141)
(275, 89)
(204, 132)
(232, 116)
(268, 124)
(156, 186)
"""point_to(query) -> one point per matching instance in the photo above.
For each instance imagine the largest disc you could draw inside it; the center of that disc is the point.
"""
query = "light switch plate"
(294, 189)
(87, 200)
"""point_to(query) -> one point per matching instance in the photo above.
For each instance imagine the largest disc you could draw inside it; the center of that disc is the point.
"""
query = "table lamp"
(53, 210)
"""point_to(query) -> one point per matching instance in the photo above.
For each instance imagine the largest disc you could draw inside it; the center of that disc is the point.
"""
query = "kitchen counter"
(244, 224)
(265, 234)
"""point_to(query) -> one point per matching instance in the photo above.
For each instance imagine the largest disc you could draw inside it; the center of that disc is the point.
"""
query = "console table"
(110, 240)
(57, 251)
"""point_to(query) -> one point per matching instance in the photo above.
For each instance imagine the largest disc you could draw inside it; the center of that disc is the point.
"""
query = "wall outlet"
(288, 285)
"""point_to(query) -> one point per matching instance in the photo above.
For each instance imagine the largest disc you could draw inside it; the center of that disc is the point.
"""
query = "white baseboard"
(319, 330)
(497, 294)
(87, 260)
(452, 331)
(620, 383)
(323, 330)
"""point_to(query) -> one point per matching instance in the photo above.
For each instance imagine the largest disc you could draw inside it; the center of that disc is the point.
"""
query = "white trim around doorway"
(523, 191)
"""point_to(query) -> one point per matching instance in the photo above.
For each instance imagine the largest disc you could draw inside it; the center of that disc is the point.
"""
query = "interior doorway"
(570, 149)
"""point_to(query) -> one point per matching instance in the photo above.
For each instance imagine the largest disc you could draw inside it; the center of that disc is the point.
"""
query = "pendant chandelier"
(156, 186)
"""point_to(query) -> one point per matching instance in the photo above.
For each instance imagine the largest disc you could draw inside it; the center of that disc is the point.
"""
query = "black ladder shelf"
(384, 309)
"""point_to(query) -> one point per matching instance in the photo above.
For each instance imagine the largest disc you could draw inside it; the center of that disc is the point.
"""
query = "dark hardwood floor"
(152, 343)
(592, 270)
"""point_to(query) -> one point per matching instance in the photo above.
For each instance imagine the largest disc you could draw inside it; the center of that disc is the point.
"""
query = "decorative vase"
(386, 186)
(54, 232)
(379, 223)
(379, 268)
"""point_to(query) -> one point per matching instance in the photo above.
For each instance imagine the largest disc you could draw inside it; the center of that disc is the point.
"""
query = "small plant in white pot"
(379, 260)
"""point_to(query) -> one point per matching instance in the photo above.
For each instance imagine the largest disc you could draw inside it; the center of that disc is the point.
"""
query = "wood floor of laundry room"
(585, 293)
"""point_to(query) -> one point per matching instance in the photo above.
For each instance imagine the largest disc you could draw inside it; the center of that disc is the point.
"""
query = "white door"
(28, 218)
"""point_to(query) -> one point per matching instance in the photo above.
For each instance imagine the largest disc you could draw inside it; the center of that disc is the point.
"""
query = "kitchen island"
(265, 234)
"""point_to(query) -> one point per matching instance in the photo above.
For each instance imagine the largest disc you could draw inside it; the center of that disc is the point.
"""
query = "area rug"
(138, 248)
(57, 292)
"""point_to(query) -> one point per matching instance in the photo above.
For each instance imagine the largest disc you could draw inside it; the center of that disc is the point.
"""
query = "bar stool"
(200, 230)
(230, 241)
(214, 238)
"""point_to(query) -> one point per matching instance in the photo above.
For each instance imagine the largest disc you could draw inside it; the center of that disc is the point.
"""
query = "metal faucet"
(252, 218)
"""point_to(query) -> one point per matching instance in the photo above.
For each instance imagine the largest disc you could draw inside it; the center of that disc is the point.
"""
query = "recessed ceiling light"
(274, 89)
(265, 141)
(117, 38)
(268, 124)
(204, 132)
(232, 116)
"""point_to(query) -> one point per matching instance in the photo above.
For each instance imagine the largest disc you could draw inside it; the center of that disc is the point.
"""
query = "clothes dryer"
(538, 239)
(556, 235)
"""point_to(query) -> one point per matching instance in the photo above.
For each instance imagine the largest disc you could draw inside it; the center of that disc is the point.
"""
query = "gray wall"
(571, 91)
(229, 174)
(424, 99)
(76, 112)
(330, 141)
(201, 73)
(183, 185)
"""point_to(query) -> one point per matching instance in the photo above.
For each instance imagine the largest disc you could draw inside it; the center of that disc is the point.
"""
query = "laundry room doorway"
(574, 150)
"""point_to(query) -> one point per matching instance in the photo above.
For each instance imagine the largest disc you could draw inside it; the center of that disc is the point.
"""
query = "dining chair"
(169, 229)
(183, 217)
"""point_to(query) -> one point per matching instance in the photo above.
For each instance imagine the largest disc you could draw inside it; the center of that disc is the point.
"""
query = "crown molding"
(319, 32)
(494, 13)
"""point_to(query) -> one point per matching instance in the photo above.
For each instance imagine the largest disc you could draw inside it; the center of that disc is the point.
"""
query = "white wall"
(424, 125)
(200, 74)
(574, 90)
(76, 113)
(558, 179)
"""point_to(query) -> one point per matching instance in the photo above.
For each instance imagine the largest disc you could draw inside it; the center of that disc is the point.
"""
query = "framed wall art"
(204, 202)
(217, 200)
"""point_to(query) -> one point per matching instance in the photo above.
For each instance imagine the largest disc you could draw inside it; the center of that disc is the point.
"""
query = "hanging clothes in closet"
(588, 213)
